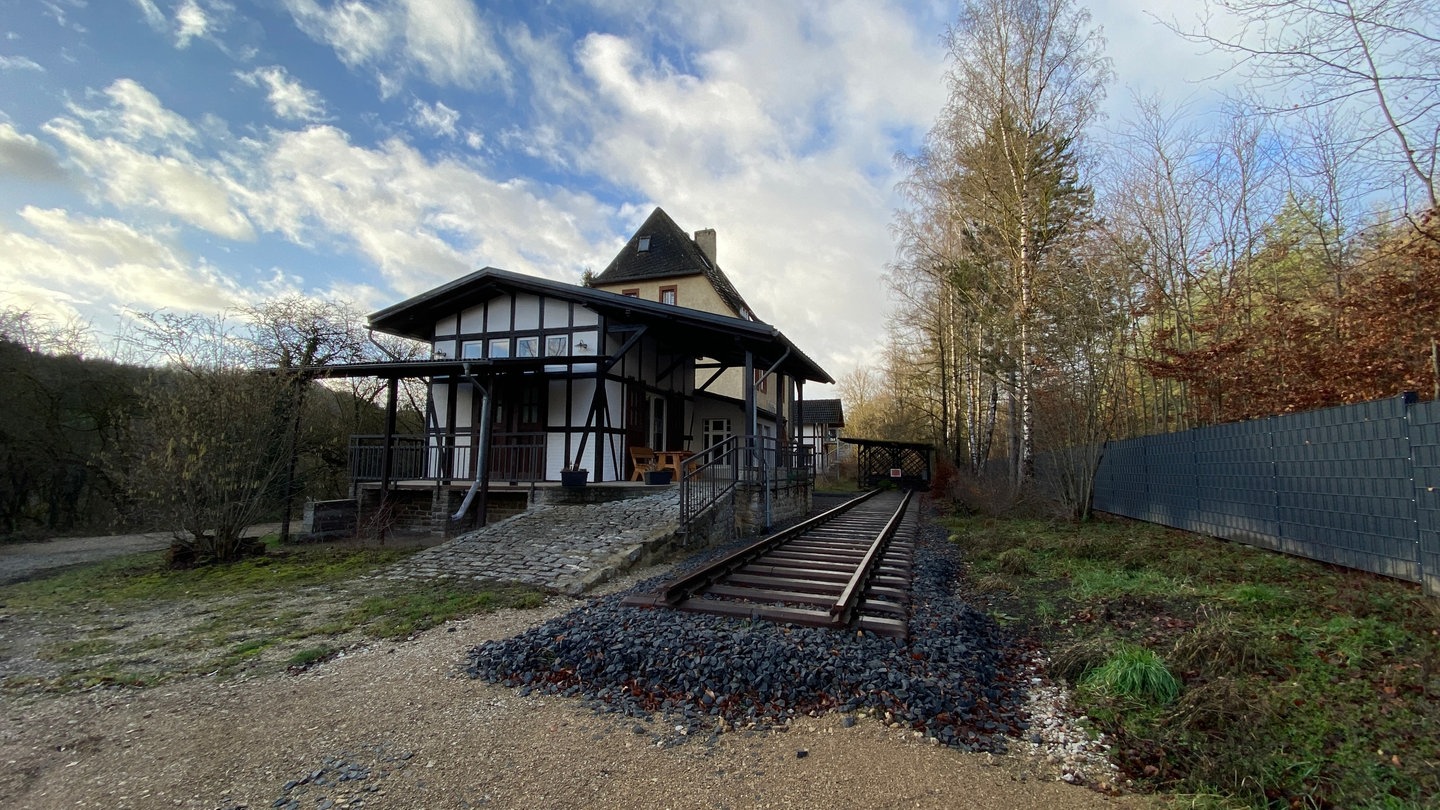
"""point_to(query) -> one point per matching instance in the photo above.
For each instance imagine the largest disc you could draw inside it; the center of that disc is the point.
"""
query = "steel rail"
(844, 608)
(682, 588)
(846, 567)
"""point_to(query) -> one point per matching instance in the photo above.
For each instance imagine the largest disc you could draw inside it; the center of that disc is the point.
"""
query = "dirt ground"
(398, 715)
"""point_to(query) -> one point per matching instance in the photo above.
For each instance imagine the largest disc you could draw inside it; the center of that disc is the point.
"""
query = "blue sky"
(198, 155)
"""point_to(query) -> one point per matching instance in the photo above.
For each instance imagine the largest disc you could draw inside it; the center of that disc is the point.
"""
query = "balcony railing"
(445, 457)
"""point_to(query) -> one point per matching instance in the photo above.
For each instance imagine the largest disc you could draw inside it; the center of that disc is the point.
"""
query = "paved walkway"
(563, 547)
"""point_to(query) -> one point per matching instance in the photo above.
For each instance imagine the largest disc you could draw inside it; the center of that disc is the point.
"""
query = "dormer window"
(643, 244)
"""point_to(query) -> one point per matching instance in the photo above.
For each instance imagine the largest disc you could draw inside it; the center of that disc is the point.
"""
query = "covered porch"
(531, 379)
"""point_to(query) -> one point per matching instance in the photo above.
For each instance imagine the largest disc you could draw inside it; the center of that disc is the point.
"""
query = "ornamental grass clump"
(1137, 673)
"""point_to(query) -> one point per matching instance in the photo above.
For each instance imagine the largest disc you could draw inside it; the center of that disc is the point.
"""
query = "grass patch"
(145, 577)
(244, 652)
(73, 650)
(311, 656)
(401, 613)
(1229, 675)
(286, 609)
(1134, 673)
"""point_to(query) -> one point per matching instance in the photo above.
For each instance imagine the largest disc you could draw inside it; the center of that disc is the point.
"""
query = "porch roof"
(706, 334)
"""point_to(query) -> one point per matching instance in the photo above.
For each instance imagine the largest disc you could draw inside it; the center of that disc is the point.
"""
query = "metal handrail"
(753, 459)
(721, 454)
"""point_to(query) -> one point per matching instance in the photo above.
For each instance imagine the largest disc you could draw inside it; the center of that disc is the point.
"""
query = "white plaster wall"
(527, 312)
(557, 314)
(472, 319)
(499, 313)
(555, 459)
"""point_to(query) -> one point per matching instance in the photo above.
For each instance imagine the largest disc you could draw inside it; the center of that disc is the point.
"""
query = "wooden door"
(517, 449)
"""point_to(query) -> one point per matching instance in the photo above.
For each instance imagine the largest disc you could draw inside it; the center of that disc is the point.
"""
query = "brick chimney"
(705, 240)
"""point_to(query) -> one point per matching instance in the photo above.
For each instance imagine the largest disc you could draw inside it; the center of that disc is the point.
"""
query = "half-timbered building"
(531, 377)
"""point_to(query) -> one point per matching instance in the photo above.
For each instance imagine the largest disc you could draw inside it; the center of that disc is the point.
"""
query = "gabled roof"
(823, 412)
(706, 334)
(670, 252)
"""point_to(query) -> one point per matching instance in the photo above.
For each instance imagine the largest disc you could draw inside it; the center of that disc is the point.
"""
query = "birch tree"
(1027, 77)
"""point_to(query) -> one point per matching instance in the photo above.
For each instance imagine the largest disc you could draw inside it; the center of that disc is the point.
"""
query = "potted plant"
(656, 477)
(573, 476)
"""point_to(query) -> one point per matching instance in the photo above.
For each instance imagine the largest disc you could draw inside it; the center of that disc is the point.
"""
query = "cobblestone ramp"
(569, 548)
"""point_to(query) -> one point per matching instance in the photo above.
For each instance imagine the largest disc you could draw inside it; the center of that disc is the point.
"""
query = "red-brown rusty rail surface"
(847, 567)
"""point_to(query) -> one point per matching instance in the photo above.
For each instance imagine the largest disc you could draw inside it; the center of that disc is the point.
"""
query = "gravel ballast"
(958, 679)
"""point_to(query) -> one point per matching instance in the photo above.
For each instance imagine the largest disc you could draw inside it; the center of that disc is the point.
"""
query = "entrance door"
(517, 449)
(716, 431)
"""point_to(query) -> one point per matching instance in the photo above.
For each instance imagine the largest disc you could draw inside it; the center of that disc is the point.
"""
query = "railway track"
(848, 567)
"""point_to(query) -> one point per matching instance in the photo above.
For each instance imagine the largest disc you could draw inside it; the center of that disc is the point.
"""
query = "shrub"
(1015, 562)
(1222, 643)
(1137, 673)
(1074, 661)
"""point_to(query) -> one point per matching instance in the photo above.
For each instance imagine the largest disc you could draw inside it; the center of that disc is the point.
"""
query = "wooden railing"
(447, 457)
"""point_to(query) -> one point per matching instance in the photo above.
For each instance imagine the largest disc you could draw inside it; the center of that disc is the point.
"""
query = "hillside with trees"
(203, 429)
(1058, 285)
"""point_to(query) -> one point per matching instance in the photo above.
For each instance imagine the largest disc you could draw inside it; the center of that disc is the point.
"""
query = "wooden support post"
(387, 452)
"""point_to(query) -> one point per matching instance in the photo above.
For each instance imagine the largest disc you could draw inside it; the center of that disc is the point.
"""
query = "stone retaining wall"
(788, 502)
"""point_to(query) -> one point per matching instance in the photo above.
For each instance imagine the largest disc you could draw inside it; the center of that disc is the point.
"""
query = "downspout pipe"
(482, 460)
(370, 335)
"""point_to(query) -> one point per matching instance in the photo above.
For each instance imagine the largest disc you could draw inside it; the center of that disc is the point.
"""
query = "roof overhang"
(679, 329)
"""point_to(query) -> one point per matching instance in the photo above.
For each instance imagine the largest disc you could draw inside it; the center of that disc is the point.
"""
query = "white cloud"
(778, 130)
(434, 118)
(66, 266)
(139, 116)
(445, 41)
(190, 22)
(20, 63)
(287, 96)
(139, 160)
(154, 17)
(774, 124)
(359, 33)
(451, 42)
(685, 116)
(25, 157)
(422, 222)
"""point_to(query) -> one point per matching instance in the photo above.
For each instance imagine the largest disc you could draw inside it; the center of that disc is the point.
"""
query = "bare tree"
(43, 334)
(295, 335)
(224, 417)
(1377, 61)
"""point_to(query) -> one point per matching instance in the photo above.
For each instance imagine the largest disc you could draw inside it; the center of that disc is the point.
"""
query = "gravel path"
(20, 561)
